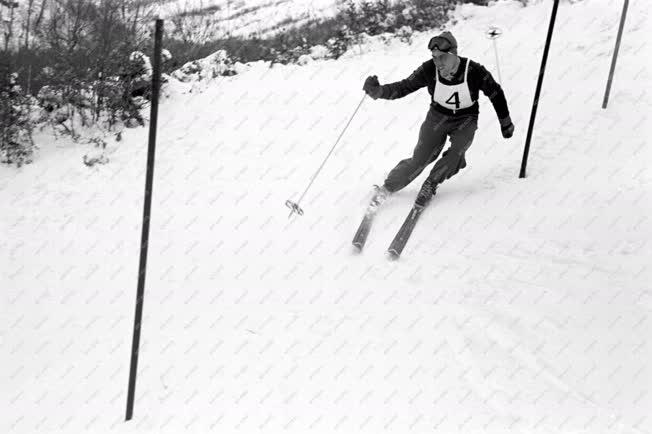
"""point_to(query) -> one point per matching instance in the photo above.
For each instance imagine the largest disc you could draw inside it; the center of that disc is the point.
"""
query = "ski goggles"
(439, 43)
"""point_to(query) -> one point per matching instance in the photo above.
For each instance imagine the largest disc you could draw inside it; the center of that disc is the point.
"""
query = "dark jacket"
(478, 79)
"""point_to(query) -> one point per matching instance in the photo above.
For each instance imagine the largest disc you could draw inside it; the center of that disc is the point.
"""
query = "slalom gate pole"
(615, 56)
(500, 80)
(537, 93)
(294, 206)
(494, 33)
(149, 178)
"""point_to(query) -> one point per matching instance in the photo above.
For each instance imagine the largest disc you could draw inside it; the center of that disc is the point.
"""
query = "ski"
(403, 234)
(360, 237)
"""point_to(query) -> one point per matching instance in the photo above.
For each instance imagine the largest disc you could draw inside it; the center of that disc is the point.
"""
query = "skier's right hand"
(372, 87)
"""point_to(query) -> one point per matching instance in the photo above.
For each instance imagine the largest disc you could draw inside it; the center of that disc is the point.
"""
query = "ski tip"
(356, 247)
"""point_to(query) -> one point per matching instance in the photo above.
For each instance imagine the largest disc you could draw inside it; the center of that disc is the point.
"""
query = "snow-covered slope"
(519, 305)
(245, 18)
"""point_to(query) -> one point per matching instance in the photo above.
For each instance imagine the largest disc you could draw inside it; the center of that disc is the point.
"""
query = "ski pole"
(294, 206)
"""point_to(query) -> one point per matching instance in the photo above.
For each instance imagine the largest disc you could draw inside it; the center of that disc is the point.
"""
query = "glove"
(448, 165)
(372, 87)
(506, 127)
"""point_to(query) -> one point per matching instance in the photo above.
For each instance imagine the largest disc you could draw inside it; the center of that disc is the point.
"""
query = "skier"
(453, 83)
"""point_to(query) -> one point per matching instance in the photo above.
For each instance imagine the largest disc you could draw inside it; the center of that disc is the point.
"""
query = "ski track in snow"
(517, 306)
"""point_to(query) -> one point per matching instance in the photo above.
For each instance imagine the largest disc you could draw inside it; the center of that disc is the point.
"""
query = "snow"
(519, 305)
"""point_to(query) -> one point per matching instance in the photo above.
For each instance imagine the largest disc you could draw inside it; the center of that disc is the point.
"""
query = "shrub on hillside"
(357, 20)
(16, 123)
(405, 34)
(106, 101)
(354, 21)
(84, 61)
(217, 64)
(343, 38)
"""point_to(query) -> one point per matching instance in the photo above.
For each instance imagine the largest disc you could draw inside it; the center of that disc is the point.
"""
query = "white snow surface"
(518, 306)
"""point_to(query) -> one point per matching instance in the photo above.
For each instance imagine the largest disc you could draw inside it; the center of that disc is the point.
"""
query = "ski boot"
(381, 193)
(428, 190)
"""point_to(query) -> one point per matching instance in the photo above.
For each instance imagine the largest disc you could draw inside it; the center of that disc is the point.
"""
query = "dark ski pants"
(432, 137)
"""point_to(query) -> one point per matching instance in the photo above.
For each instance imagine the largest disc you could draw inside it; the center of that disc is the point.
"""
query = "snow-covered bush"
(50, 98)
(318, 52)
(16, 122)
(52, 101)
(304, 59)
(287, 50)
(166, 56)
(426, 14)
(61, 106)
(343, 39)
(387, 22)
(140, 65)
(215, 65)
(137, 75)
(130, 92)
(405, 34)
(372, 17)
(109, 100)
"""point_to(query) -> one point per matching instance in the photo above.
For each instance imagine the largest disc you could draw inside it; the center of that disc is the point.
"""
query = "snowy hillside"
(244, 18)
(518, 306)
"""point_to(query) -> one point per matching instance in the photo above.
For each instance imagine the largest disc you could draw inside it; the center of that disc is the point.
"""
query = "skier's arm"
(399, 89)
(486, 83)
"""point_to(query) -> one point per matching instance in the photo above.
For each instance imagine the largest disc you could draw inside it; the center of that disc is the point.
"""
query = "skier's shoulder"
(476, 68)
(473, 65)
(423, 71)
(428, 66)
(477, 71)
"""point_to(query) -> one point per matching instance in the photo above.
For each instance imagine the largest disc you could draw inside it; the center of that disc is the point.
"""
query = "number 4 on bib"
(456, 100)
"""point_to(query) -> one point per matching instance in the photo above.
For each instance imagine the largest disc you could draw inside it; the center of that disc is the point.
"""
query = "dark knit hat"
(448, 36)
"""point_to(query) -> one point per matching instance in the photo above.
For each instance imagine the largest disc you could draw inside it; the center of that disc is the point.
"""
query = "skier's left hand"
(507, 127)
